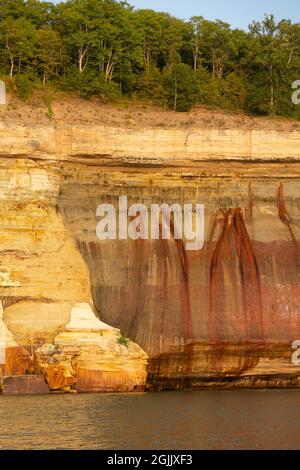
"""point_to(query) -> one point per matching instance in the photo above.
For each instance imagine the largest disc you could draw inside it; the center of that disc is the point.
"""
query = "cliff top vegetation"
(109, 51)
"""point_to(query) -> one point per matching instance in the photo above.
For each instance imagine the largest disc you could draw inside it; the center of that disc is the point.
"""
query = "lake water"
(183, 420)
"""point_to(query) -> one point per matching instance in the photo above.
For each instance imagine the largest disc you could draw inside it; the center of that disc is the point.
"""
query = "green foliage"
(109, 91)
(150, 85)
(257, 100)
(208, 89)
(50, 53)
(86, 83)
(24, 86)
(48, 102)
(90, 83)
(108, 49)
(123, 341)
(181, 87)
(233, 92)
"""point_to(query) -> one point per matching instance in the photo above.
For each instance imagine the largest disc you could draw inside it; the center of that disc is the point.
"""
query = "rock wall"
(223, 316)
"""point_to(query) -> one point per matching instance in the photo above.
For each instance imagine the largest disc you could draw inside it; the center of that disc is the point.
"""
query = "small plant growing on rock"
(49, 112)
(123, 341)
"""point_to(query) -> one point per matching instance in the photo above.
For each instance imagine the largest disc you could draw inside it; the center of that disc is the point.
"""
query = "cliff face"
(224, 316)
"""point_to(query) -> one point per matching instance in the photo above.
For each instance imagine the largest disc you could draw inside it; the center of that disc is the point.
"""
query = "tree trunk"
(270, 69)
(290, 56)
(147, 57)
(272, 97)
(175, 95)
(12, 64)
(109, 67)
(11, 68)
(196, 56)
(81, 56)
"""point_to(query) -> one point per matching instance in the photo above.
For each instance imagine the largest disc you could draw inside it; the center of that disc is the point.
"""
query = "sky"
(238, 13)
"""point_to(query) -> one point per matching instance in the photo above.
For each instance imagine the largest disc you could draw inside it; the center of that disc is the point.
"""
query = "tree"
(174, 31)
(12, 8)
(18, 38)
(219, 47)
(196, 23)
(106, 48)
(37, 12)
(180, 87)
(150, 85)
(208, 90)
(76, 19)
(149, 25)
(50, 53)
(233, 92)
(275, 46)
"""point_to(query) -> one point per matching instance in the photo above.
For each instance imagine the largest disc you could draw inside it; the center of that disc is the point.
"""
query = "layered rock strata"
(90, 356)
(224, 316)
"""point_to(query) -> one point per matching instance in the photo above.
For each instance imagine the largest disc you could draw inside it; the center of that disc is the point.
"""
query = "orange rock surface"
(223, 316)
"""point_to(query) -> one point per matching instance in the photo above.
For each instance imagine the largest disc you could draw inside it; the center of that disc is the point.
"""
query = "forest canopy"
(108, 49)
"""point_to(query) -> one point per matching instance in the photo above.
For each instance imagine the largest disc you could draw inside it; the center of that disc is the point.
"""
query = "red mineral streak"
(185, 297)
(17, 362)
(185, 301)
(250, 280)
(235, 292)
(250, 202)
(287, 220)
(104, 381)
(24, 385)
(137, 302)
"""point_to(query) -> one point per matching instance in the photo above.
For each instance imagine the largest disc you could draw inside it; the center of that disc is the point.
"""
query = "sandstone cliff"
(224, 316)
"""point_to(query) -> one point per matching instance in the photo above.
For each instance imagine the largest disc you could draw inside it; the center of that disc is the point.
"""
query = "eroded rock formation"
(223, 316)
(90, 356)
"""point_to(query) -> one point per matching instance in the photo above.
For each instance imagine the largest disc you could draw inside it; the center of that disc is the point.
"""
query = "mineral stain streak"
(234, 273)
(235, 291)
(249, 210)
(185, 300)
(287, 220)
(185, 297)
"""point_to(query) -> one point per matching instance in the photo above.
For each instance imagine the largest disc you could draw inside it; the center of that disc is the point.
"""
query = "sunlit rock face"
(90, 356)
(42, 278)
(226, 315)
(14, 360)
(222, 311)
